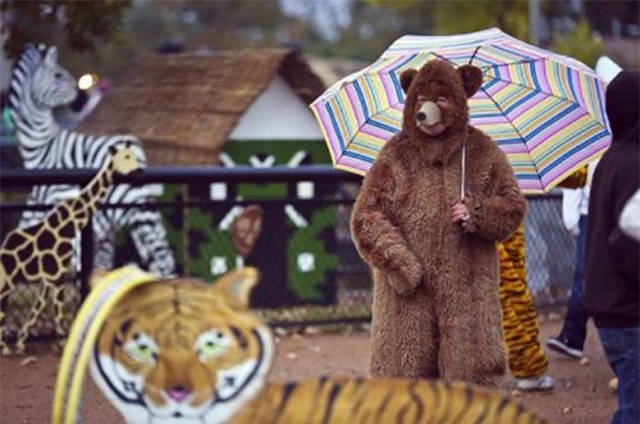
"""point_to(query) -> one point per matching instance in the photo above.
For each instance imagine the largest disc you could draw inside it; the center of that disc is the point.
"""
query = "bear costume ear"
(406, 77)
(471, 78)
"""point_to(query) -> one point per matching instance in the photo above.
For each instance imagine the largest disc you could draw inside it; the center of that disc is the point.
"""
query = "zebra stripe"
(38, 84)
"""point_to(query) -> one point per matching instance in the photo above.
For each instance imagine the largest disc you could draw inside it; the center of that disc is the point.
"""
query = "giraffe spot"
(32, 230)
(19, 276)
(95, 190)
(8, 262)
(49, 265)
(14, 241)
(67, 231)
(54, 219)
(25, 253)
(64, 248)
(32, 266)
(64, 213)
(46, 240)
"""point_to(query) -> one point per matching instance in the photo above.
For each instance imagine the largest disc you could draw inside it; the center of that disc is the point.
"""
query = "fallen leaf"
(554, 316)
(311, 330)
(28, 360)
(279, 331)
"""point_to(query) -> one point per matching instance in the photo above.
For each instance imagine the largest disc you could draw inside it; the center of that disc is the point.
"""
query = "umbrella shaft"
(464, 142)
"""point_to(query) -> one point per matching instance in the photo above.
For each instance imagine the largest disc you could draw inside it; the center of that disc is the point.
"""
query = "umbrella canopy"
(546, 111)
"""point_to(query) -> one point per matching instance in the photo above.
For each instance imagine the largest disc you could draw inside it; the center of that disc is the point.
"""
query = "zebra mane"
(24, 67)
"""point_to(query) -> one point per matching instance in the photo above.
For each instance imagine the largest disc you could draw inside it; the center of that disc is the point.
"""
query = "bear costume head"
(436, 103)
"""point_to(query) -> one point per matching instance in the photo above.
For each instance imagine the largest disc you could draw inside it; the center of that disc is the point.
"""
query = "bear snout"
(429, 114)
(429, 119)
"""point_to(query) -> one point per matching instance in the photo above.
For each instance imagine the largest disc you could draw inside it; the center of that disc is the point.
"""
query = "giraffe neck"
(96, 190)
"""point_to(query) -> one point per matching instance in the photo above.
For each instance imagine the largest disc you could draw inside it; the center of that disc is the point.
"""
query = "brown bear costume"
(436, 308)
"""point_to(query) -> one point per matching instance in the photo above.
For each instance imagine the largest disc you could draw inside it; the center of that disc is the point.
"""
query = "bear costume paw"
(408, 275)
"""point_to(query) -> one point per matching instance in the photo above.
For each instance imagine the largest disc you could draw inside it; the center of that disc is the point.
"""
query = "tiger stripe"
(527, 358)
(351, 400)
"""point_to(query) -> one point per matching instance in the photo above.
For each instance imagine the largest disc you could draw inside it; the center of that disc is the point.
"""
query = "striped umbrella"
(545, 111)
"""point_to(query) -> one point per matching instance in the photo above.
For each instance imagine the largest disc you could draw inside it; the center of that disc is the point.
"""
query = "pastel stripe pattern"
(546, 111)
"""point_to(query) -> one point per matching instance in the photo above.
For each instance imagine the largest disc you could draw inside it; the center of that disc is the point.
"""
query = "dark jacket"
(612, 277)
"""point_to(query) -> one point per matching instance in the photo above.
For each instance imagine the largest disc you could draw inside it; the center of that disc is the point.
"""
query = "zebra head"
(52, 85)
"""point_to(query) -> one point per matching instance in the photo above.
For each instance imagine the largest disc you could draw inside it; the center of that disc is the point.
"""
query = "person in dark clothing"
(570, 341)
(612, 277)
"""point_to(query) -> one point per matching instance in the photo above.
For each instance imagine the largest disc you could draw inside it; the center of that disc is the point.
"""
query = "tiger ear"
(238, 284)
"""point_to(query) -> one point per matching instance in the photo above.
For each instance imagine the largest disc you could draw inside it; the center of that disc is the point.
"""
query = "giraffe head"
(52, 84)
(124, 159)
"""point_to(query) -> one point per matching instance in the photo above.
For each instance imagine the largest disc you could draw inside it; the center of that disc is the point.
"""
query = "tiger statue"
(182, 351)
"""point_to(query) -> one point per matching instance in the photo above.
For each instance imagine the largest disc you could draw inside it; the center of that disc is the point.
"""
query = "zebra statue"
(38, 85)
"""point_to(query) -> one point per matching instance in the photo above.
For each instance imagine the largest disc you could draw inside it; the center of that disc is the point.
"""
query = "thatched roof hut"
(184, 106)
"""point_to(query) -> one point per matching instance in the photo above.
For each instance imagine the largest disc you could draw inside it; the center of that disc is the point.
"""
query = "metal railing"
(311, 273)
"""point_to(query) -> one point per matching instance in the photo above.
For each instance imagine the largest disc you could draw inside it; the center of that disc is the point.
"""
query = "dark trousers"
(575, 321)
(622, 347)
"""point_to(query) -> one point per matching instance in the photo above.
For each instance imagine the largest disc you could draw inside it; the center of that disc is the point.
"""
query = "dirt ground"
(581, 394)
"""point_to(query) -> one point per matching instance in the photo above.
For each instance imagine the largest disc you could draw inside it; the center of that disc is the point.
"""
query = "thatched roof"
(331, 70)
(183, 106)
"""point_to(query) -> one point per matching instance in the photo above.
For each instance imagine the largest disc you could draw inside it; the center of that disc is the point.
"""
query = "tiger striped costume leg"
(527, 358)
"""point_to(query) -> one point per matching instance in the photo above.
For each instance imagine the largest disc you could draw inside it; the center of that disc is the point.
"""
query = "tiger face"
(183, 351)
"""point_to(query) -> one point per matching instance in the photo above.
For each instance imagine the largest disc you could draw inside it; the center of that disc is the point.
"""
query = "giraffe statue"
(41, 253)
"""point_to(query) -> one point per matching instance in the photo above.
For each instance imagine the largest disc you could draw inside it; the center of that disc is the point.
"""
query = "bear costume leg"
(404, 335)
(471, 339)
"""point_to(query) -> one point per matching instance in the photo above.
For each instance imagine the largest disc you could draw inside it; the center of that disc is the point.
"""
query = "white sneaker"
(544, 382)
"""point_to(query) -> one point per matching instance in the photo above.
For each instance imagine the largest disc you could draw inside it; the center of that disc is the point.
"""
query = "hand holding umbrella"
(460, 213)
